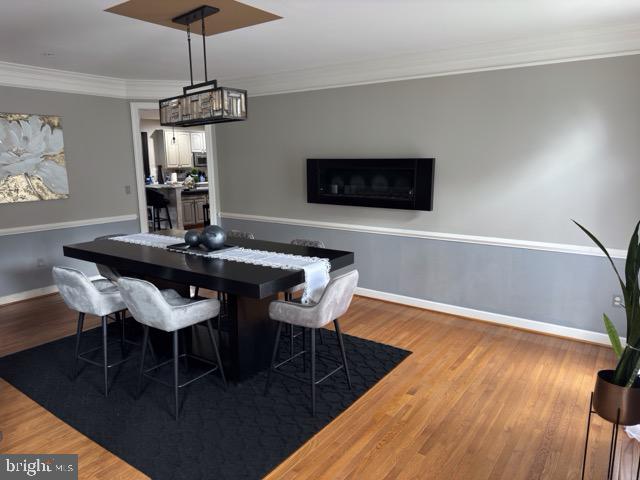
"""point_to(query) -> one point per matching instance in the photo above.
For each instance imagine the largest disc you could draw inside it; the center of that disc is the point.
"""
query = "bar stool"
(100, 298)
(168, 311)
(113, 275)
(158, 202)
(205, 213)
(288, 294)
(334, 302)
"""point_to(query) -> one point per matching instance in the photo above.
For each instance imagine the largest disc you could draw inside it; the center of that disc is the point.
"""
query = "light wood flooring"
(473, 401)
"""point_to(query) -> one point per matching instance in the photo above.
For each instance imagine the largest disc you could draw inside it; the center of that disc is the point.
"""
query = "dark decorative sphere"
(192, 238)
(213, 237)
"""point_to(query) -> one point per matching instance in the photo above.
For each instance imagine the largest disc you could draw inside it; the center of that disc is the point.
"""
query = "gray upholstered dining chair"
(167, 311)
(288, 294)
(240, 234)
(108, 272)
(334, 302)
(100, 298)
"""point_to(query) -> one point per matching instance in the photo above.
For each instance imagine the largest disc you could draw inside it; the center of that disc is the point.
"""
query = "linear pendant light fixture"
(202, 103)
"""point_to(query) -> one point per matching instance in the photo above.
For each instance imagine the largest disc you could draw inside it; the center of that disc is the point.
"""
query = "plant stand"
(612, 445)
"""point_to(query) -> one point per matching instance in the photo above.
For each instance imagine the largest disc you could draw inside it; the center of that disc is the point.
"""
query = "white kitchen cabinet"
(185, 158)
(170, 153)
(198, 143)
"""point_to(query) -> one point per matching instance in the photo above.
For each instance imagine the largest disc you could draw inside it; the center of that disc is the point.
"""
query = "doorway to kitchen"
(176, 172)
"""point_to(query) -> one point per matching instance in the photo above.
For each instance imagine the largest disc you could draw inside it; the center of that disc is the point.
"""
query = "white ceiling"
(323, 36)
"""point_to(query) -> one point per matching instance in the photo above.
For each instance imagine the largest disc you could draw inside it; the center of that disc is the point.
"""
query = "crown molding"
(567, 47)
(27, 76)
(154, 89)
(570, 46)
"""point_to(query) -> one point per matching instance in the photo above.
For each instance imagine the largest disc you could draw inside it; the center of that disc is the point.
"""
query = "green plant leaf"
(597, 242)
(634, 374)
(614, 338)
(632, 294)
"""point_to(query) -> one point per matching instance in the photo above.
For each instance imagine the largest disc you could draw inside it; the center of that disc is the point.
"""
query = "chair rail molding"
(449, 237)
(575, 45)
(69, 224)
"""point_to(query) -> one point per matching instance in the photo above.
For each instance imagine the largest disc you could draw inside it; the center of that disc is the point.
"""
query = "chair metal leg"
(145, 342)
(321, 336)
(215, 349)
(183, 346)
(104, 356)
(342, 352)
(304, 349)
(291, 340)
(166, 209)
(287, 298)
(152, 352)
(175, 372)
(274, 356)
(120, 319)
(313, 372)
(78, 337)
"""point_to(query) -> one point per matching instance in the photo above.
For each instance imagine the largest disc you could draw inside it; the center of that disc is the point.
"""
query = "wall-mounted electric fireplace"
(405, 183)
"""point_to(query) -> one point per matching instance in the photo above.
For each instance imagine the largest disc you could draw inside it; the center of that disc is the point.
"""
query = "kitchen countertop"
(195, 191)
(202, 188)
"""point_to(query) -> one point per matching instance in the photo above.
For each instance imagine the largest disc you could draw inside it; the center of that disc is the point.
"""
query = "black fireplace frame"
(421, 169)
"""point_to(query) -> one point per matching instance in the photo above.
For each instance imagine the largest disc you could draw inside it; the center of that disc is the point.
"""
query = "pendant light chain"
(201, 103)
(189, 43)
(204, 49)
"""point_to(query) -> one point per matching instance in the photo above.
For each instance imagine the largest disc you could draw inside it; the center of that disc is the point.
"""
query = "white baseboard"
(36, 292)
(497, 318)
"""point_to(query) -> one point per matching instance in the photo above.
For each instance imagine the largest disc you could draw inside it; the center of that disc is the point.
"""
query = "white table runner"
(316, 270)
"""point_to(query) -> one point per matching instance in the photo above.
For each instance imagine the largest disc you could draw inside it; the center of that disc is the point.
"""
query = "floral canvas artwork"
(32, 163)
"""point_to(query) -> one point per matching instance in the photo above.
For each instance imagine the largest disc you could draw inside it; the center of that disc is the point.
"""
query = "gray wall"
(558, 288)
(98, 151)
(519, 152)
(99, 154)
(32, 255)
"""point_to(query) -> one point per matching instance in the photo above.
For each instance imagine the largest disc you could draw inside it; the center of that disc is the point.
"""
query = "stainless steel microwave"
(199, 159)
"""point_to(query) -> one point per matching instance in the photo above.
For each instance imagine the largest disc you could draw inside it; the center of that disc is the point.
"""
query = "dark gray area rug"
(234, 434)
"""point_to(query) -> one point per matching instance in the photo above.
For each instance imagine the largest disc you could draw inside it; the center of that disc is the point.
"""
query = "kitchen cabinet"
(198, 143)
(170, 153)
(192, 211)
(188, 212)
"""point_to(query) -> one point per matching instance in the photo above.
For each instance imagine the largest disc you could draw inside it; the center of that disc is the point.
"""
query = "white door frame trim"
(212, 165)
(212, 173)
(137, 159)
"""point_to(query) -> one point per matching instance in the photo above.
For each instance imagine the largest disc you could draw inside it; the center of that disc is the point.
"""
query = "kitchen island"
(185, 204)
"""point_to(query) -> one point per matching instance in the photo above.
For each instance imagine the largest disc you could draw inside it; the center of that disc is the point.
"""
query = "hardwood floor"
(473, 401)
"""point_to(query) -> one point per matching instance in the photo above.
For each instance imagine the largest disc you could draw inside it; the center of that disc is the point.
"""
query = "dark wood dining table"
(247, 333)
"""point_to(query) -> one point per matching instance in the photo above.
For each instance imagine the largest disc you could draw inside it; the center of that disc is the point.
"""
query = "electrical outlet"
(127, 189)
(617, 301)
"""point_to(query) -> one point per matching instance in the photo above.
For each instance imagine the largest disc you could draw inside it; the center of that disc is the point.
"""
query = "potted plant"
(616, 396)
